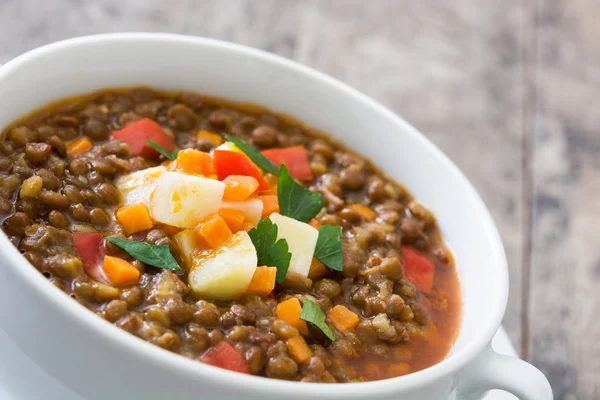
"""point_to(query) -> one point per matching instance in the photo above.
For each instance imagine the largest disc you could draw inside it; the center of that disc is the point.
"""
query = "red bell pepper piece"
(295, 160)
(234, 163)
(418, 269)
(224, 355)
(136, 134)
(90, 247)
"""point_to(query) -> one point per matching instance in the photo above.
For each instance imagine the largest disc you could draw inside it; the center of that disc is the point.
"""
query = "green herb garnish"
(171, 155)
(151, 254)
(329, 247)
(270, 251)
(311, 312)
(296, 201)
(258, 159)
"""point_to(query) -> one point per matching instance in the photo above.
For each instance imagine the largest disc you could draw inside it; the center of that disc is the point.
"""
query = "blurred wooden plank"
(565, 305)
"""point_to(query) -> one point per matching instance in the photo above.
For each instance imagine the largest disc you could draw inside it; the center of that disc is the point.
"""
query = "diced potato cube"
(188, 246)
(138, 186)
(251, 208)
(226, 272)
(301, 239)
(184, 200)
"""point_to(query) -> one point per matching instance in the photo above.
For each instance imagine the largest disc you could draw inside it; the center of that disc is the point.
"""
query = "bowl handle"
(494, 371)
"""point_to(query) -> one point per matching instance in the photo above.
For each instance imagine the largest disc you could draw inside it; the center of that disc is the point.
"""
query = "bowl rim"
(192, 369)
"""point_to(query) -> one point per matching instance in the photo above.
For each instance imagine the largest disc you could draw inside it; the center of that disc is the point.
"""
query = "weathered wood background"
(510, 89)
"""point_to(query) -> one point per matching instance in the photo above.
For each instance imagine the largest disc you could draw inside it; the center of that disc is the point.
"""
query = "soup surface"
(229, 235)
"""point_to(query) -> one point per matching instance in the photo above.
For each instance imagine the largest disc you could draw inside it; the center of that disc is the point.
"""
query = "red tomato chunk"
(90, 247)
(295, 160)
(418, 269)
(136, 134)
(233, 163)
(224, 355)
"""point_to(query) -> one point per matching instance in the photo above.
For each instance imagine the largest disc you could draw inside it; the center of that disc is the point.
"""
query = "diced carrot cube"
(317, 269)
(79, 145)
(364, 211)
(289, 311)
(239, 187)
(263, 280)
(270, 204)
(134, 218)
(342, 318)
(119, 272)
(247, 226)
(213, 138)
(191, 161)
(233, 218)
(314, 223)
(213, 231)
(398, 369)
(298, 349)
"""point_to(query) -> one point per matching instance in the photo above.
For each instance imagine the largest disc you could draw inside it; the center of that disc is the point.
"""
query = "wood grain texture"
(565, 276)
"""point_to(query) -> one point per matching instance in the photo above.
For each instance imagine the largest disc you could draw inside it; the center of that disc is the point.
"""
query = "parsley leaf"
(329, 247)
(171, 155)
(311, 312)
(253, 154)
(151, 254)
(296, 201)
(270, 251)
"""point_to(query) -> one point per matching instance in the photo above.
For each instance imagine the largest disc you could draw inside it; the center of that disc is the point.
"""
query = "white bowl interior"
(238, 73)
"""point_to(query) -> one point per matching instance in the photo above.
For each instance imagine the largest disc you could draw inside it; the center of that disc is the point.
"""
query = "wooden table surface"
(509, 89)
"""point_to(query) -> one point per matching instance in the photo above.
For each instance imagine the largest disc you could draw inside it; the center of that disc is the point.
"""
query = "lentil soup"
(229, 235)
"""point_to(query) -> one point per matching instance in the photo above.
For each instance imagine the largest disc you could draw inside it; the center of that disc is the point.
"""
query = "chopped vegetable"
(137, 187)
(418, 269)
(90, 247)
(301, 239)
(191, 161)
(234, 163)
(317, 269)
(224, 273)
(151, 254)
(289, 310)
(119, 272)
(295, 201)
(255, 156)
(171, 155)
(364, 211)
(398, 369)
(252, 209)
(295, 160)
(136, 134)
(213, 138)
(342, 318)
(270, 204)
(134, 218)
(329, 247)
(171, 230)
(188, 245)
(298, 349)
(78, 146)
(312, 313)
(269, 250)
(239, 187)
(213, 231)
(184, 200)
(225, 355)
(314, 223)
(247, 227)
(263, 280)
(233, 218)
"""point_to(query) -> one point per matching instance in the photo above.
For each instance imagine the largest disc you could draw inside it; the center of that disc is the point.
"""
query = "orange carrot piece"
(372, 370)
(134, 218)
(233, 218)
(364, 211)
(272, 180)
(342, 318)
(289, 311)
(263, 280)
(191, 161)
(119, 272)
(213, 231)
(398, 369)
(79, 145)
(317, 269)
(298, 349)
(315, 223)
(270, 204)
(247, 226)
(213, 138)
(239, 187)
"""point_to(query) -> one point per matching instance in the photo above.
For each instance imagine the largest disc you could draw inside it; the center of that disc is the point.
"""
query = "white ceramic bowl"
(99, 361)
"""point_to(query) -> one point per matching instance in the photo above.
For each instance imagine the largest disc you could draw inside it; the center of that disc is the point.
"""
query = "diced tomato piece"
(234, 163)
(295, 160)
(224, 355)
(418, 269)
(136, 134)
(90, 247)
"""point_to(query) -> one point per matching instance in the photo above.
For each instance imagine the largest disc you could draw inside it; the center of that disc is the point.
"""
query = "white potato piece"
(226, 272)
(138, 186)
(301, 239)
(184, 200)
(188, 245)
(251, 208)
